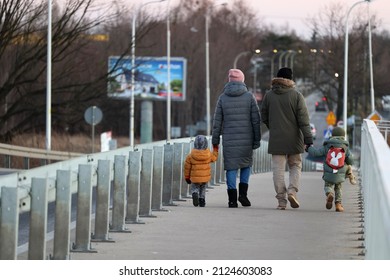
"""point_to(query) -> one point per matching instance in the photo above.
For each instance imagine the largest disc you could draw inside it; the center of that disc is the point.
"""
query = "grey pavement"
(259, 232)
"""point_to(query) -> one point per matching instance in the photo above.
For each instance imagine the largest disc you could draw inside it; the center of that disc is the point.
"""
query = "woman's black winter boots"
(242, 194)
(232, 193)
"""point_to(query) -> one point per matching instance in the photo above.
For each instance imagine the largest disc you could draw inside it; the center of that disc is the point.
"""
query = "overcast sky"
(294, 12)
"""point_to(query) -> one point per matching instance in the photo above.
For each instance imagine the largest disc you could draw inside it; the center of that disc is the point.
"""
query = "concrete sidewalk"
(259, 232)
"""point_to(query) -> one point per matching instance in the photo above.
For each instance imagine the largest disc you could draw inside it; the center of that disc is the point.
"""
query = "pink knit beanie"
(236, 75)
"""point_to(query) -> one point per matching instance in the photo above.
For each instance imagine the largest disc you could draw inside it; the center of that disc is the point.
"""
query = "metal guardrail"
(375, 175)
(11, 151)
(137, 181)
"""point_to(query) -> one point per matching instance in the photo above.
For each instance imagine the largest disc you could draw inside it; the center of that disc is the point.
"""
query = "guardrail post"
(9, 223)
(63, 215)
(102, 202)
(7, 161)
(145, 209)
(84, 210)
(263, 158)
(184, 185)
(119, 195)
(157, 181)
(26, 163)
(133, 188)
(38, 219)
(177, 171)
(255, 168)
(167, 175)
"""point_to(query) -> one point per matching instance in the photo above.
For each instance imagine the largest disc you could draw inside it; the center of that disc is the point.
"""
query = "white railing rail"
(375, 175)
(384, 127)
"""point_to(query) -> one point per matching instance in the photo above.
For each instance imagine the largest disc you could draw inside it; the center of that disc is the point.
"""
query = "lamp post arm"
(238, 57)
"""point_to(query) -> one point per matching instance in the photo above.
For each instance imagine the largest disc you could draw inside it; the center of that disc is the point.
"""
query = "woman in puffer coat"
(237, 120)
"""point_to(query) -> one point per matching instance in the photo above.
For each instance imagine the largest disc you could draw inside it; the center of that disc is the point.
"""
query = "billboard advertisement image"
(150, 78)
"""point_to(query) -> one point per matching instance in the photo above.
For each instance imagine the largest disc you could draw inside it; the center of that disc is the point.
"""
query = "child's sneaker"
(339, 207)
(329, 200)
(195, 199)
(202, 202)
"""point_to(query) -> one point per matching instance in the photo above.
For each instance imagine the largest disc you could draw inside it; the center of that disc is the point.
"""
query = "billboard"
(150, 78)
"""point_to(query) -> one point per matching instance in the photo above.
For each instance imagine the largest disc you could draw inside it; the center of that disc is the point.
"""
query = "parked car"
(313, 131)
(320, 105)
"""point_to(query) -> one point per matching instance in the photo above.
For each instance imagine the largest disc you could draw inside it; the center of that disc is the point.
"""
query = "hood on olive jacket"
(285, 114)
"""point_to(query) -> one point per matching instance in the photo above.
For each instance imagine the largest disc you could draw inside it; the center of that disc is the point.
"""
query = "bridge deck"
(258, 232)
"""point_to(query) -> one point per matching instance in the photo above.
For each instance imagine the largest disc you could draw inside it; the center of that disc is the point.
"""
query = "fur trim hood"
(282, 83)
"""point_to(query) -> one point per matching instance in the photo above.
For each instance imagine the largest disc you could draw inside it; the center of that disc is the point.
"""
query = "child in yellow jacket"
(197, 169)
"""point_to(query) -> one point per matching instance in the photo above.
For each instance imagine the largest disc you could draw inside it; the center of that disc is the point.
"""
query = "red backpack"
(335, 157)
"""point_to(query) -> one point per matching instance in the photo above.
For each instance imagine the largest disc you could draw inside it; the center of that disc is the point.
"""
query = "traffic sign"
(331, 118)
(93, 115)
(374, 116)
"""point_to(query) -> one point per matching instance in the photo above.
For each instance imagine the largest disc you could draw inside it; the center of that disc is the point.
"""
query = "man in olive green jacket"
(285, 114)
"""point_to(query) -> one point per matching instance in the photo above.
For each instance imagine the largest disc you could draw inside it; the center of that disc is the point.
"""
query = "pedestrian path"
(259, 232)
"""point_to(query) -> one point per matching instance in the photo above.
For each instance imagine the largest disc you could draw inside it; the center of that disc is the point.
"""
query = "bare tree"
(23, 53)
(329, 26)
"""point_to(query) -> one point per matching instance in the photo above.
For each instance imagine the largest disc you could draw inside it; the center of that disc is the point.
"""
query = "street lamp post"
(131, 128)
(292, 59)
(370, 60)
(208, 128)
(207, 23)
(168, 75)
(275, 51)
(314, 52)
(254, 62)
(346, 66)
(48, 81)
(289, 53)
(281, 58)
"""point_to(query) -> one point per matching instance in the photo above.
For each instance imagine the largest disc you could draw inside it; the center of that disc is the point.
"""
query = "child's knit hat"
(338, 131)
(200, 142)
